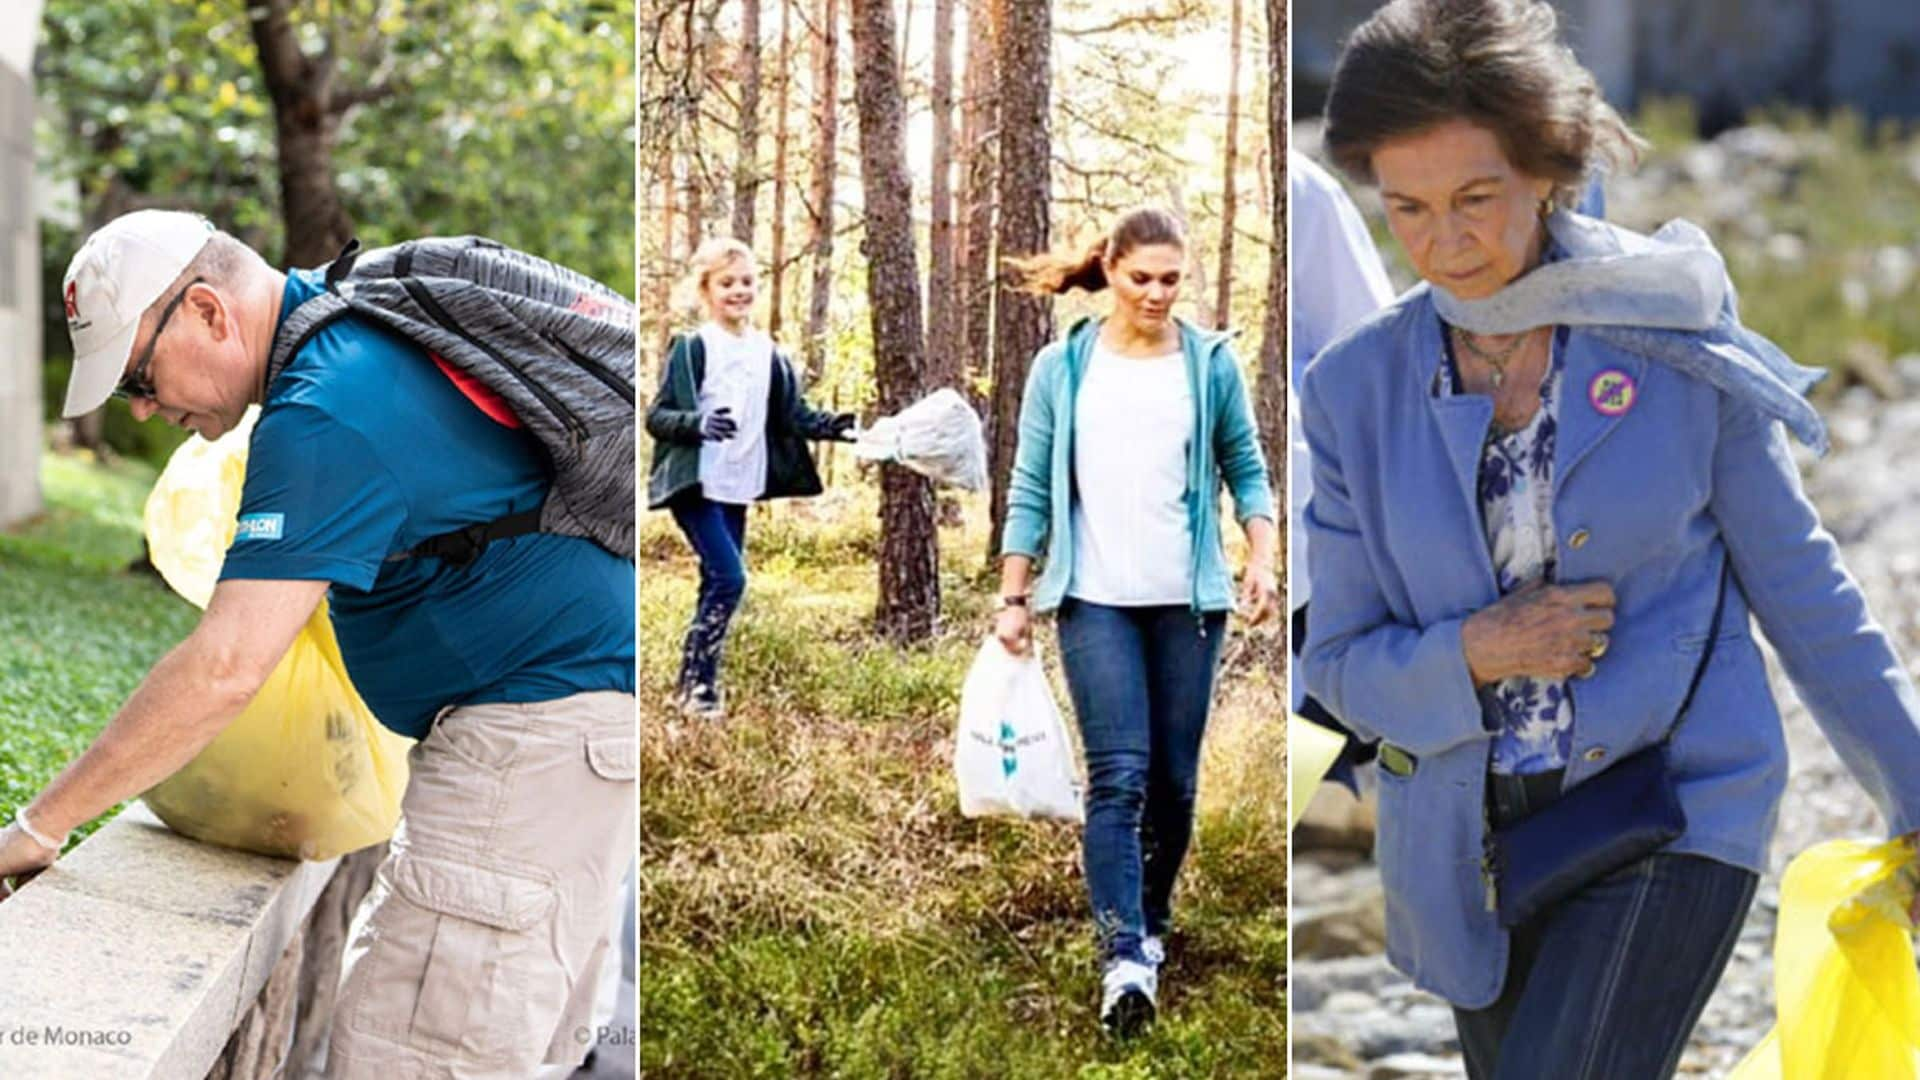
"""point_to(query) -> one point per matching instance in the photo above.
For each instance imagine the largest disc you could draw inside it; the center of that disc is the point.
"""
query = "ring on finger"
(1597, 646)
(1585, 672)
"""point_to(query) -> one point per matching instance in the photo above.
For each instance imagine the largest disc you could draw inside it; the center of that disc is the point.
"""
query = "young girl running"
(729, 429)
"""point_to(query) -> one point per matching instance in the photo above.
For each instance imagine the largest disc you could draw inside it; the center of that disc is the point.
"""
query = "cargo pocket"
(482, 965)
(614, 755)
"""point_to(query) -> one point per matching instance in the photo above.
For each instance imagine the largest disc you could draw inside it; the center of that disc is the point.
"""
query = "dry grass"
(813, 902)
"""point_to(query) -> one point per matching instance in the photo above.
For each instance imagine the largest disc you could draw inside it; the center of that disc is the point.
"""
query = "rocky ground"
(1353, 1015)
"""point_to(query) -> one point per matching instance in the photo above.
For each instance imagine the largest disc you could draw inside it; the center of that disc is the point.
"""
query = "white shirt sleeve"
(1336, 279)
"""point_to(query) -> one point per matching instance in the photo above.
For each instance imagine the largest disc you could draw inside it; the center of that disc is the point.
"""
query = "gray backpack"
(557, 346)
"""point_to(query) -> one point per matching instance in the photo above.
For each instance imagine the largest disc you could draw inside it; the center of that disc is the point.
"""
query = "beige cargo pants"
(478, 950)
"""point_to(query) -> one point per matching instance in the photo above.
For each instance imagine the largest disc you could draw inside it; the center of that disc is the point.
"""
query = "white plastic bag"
(938, 437)
(1010, 754)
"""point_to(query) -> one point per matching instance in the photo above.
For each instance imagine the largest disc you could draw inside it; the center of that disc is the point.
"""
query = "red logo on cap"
(73, 303)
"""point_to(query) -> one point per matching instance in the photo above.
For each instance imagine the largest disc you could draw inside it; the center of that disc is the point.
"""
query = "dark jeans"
(1142, 683)
(718, 533)
(1610, 982)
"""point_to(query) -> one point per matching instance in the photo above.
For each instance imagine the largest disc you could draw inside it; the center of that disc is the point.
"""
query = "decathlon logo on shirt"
(261, 527)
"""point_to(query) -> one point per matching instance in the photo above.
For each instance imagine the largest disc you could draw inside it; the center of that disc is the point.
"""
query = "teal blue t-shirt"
(363, 450)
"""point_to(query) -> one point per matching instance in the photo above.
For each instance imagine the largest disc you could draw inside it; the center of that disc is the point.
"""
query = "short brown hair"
(1051, 272)
(1499, 64)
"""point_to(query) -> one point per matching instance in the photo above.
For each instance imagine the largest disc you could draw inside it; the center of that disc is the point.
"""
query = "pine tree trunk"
(663, 303)
(777, 299)
(746, 169)
(826, 123)
(1022, 322)
(909, 550)
(1271, 401)
(943, 355)
(973, 292)
(1230, 194)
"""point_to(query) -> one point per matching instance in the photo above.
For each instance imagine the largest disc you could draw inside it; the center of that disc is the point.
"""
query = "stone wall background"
(20, 344)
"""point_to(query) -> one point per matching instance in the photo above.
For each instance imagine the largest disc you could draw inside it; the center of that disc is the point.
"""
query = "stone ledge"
(137, 954)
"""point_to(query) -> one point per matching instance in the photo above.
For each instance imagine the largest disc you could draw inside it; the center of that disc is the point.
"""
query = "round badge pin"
(1612, 392)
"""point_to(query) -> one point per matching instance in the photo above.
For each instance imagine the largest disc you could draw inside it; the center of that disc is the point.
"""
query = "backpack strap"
(463, 545)
(343, 264)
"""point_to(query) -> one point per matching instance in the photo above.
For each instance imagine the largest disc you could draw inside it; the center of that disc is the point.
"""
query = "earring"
(1547, 207)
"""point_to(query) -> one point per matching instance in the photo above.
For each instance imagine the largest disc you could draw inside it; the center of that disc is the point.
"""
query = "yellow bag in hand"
(306, 771)
(1311, 751)
(1845, 987)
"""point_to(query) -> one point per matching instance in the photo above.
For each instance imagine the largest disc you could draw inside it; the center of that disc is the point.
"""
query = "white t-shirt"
(739, 373)
(1133, 429)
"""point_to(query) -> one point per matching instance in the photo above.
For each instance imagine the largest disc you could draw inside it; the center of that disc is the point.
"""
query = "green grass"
(813, 904)
(77, 632)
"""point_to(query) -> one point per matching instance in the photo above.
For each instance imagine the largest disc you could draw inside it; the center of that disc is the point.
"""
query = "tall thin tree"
(943, 355)
(663, 295)
(1271, 403)
(973, 292)
(909, 549)
(746, 168)
(826, 128)
(1229, 187)
(1022, 322)
(784, 65)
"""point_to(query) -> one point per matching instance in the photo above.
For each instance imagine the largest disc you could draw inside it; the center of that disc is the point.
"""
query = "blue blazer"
(1649, 499)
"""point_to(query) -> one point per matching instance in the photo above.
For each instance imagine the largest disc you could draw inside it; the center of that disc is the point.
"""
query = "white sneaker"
(1154, 949)
(702, 702)
(1127, 991)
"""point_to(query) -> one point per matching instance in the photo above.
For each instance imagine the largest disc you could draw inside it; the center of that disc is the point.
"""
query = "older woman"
(1551, 483)
(1129, 427)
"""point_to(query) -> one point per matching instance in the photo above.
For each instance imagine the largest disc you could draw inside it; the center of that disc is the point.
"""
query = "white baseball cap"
(116, 275)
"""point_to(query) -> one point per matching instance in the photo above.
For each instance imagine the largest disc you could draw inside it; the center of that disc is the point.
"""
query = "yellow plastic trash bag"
(306, 771)
(1845, 986)
(1311, 751)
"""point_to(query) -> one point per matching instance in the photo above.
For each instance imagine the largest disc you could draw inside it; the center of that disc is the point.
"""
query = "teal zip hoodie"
(1226, 447)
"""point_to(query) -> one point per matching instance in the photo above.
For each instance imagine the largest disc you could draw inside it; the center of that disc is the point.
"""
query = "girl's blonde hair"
(712, 254)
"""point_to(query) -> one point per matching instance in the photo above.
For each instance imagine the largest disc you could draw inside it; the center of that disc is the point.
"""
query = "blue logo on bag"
(1009, 763)
(261, 527)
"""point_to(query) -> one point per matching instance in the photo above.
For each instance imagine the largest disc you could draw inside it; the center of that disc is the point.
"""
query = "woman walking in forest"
(1128, 427)
(730, 429)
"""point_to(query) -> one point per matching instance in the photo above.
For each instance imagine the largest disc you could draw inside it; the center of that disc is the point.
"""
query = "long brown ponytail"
(1052, 272)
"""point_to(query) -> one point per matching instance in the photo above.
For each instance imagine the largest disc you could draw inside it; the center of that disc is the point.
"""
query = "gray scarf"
(1665, 297)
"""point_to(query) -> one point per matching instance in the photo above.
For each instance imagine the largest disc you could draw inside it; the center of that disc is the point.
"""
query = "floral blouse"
(1532, 719)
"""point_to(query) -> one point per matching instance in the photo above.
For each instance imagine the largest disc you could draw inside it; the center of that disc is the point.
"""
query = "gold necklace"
(1495, 358)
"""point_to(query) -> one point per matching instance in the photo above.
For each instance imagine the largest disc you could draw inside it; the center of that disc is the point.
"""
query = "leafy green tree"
(297, 123)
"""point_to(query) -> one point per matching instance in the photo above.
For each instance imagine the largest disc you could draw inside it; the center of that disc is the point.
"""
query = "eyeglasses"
(135, 383)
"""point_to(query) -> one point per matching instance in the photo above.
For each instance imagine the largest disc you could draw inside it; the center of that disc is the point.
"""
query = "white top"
(1337, 281)
(739, 373)
(1133, 427)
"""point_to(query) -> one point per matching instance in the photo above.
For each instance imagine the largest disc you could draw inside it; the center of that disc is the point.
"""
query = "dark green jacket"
(673, 420)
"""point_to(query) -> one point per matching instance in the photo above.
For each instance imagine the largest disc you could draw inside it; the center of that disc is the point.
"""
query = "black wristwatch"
(1005, 602)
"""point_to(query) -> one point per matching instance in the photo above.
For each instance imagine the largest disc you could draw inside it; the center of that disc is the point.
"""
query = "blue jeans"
(1141, 679)
(1624, 968)
(718, 534)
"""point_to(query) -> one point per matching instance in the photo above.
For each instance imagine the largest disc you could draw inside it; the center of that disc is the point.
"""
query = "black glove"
(842, 426)
(718, 425)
